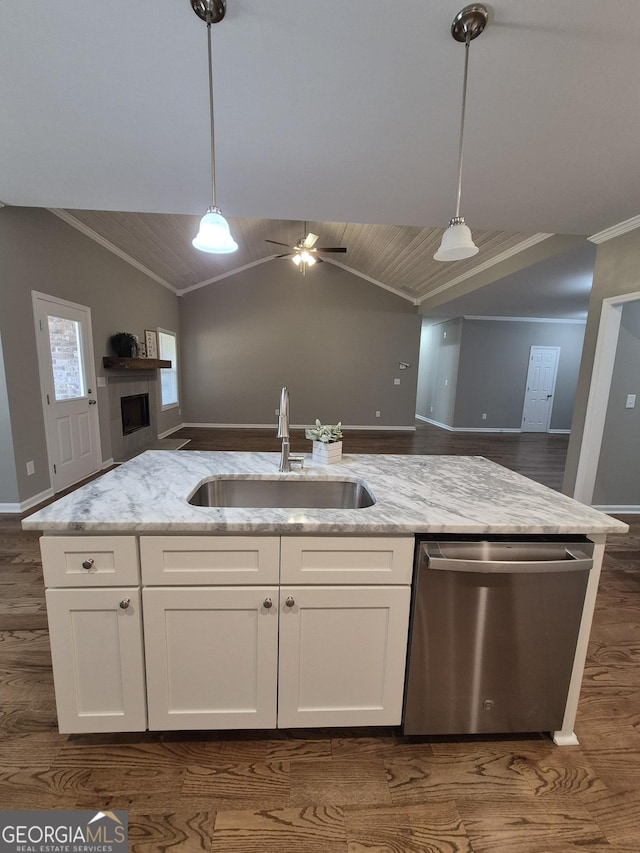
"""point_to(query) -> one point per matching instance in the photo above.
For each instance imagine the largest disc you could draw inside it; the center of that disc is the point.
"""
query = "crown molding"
(93, 235)
(223, 275)
(491, 262)
(526, 319)
(411, 299)
(616, 230)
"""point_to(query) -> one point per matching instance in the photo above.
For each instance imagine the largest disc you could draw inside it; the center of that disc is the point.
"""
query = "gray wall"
(616, 272)
(8, 479)
(618, 476)
(494, 361)
(334, 339)
(438, 374)
(40, 252)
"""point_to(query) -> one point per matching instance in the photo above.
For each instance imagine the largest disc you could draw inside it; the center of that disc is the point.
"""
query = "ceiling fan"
(305, 252)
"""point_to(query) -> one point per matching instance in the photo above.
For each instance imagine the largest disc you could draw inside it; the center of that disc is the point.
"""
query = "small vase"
(326, 453)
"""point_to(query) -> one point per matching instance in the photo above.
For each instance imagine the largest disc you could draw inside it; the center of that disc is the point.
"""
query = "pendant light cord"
(213, 144)
(467, 42)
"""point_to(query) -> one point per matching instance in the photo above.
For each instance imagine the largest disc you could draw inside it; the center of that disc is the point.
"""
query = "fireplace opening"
(135, 412)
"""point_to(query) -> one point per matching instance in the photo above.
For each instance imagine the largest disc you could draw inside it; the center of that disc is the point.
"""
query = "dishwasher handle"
(578, 561)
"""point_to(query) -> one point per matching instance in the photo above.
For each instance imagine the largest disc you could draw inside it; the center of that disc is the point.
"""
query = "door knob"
(86, 564)
(290, 601)
(125, 603)
(267, 604)
(92, 402)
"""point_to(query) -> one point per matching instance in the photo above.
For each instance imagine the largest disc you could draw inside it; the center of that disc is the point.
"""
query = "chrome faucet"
(283, 432)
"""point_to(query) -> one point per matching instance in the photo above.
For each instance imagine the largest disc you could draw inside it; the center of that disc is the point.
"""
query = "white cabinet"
(95, 632)
(239, 631)
(96, 650)
(211, 657)
(342, 655)
(331, 654)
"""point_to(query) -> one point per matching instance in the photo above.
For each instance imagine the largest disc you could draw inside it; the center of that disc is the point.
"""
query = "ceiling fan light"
(296, 260)
(307, 258)
(457, 242)
(214, 235)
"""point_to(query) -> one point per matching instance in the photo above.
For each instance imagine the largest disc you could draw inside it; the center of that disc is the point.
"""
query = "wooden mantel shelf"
(114, 361)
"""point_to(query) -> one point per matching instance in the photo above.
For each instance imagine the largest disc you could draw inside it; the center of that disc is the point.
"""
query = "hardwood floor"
(340, 791)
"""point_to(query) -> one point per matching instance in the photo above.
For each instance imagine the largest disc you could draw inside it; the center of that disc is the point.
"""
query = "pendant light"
(457, 243)
(214, 235)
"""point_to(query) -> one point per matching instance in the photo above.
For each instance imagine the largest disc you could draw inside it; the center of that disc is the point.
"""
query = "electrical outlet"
(446, 382)
(430, 410)
(377, 413)
(631, 401)
(484, 416)
(444, 336)
(277, 412)
(396, 381)
(31, 468)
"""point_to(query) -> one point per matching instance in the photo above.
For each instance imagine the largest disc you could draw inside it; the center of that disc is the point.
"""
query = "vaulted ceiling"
(345, 114)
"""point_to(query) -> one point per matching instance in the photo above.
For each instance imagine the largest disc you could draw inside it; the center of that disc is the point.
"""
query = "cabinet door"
(211, 657)
(96, 649)
(342, 655)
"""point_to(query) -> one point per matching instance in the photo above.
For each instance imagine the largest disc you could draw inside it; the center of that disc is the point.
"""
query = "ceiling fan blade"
(286, 255)
(310, 240)
(335, 249)
(277, 243)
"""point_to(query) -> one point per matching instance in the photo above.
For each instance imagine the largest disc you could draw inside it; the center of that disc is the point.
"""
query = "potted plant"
(124, 345)
(327, 444)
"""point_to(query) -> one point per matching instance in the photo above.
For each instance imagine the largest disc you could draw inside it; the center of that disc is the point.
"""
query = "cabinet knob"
(290, 601)
(125, 603)
(267, 604)
(86, 564)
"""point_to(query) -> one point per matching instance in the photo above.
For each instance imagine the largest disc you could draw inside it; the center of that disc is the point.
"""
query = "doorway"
(540, 388)
(67, 384)
(596, 411)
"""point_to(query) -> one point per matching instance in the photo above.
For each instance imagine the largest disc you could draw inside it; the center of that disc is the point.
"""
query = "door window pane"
(66, 358)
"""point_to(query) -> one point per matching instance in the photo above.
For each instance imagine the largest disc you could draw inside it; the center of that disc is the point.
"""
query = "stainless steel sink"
(289, 494)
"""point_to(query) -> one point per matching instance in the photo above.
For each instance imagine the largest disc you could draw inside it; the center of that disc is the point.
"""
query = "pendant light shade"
(214, 235)
(457, 242)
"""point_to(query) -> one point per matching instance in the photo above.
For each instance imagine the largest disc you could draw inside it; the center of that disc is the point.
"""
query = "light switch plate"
(631, 401)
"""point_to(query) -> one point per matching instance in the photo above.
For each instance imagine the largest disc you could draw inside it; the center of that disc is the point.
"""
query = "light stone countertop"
(414, 494)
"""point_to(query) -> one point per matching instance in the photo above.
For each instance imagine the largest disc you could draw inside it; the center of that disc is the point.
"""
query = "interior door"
(67, 381)
(540, 388)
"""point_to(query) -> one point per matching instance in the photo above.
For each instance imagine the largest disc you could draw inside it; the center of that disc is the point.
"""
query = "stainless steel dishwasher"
(493, 634)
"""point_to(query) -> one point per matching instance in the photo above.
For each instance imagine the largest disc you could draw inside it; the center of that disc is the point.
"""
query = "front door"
(67, 381)
(541, 383)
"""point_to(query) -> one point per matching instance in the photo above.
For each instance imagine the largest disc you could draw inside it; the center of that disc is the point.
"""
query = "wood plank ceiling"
(399, 257)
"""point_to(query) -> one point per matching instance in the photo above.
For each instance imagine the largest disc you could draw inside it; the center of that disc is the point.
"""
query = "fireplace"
(135, 412)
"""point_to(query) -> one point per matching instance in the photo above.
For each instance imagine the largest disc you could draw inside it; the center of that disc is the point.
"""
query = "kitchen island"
(168, 615)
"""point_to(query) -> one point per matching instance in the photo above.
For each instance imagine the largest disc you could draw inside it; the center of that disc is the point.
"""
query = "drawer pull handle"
(86, 564)
(267, 604)
(125, 603)
(290, 601)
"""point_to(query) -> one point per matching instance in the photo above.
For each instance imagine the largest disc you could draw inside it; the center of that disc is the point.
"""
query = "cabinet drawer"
(204, 560)
(335, 560)
(89, 560)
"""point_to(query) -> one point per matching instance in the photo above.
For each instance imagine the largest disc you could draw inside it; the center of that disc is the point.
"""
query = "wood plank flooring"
(340, 791)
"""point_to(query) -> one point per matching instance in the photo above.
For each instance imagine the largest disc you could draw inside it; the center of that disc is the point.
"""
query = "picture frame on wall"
(151, 343)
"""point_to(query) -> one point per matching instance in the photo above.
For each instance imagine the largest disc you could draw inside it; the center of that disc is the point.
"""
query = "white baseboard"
(465, 429)
(172, 430)
(107, 463)
(297, 426)
(29, 503)
(618, 509)
(559, 431)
